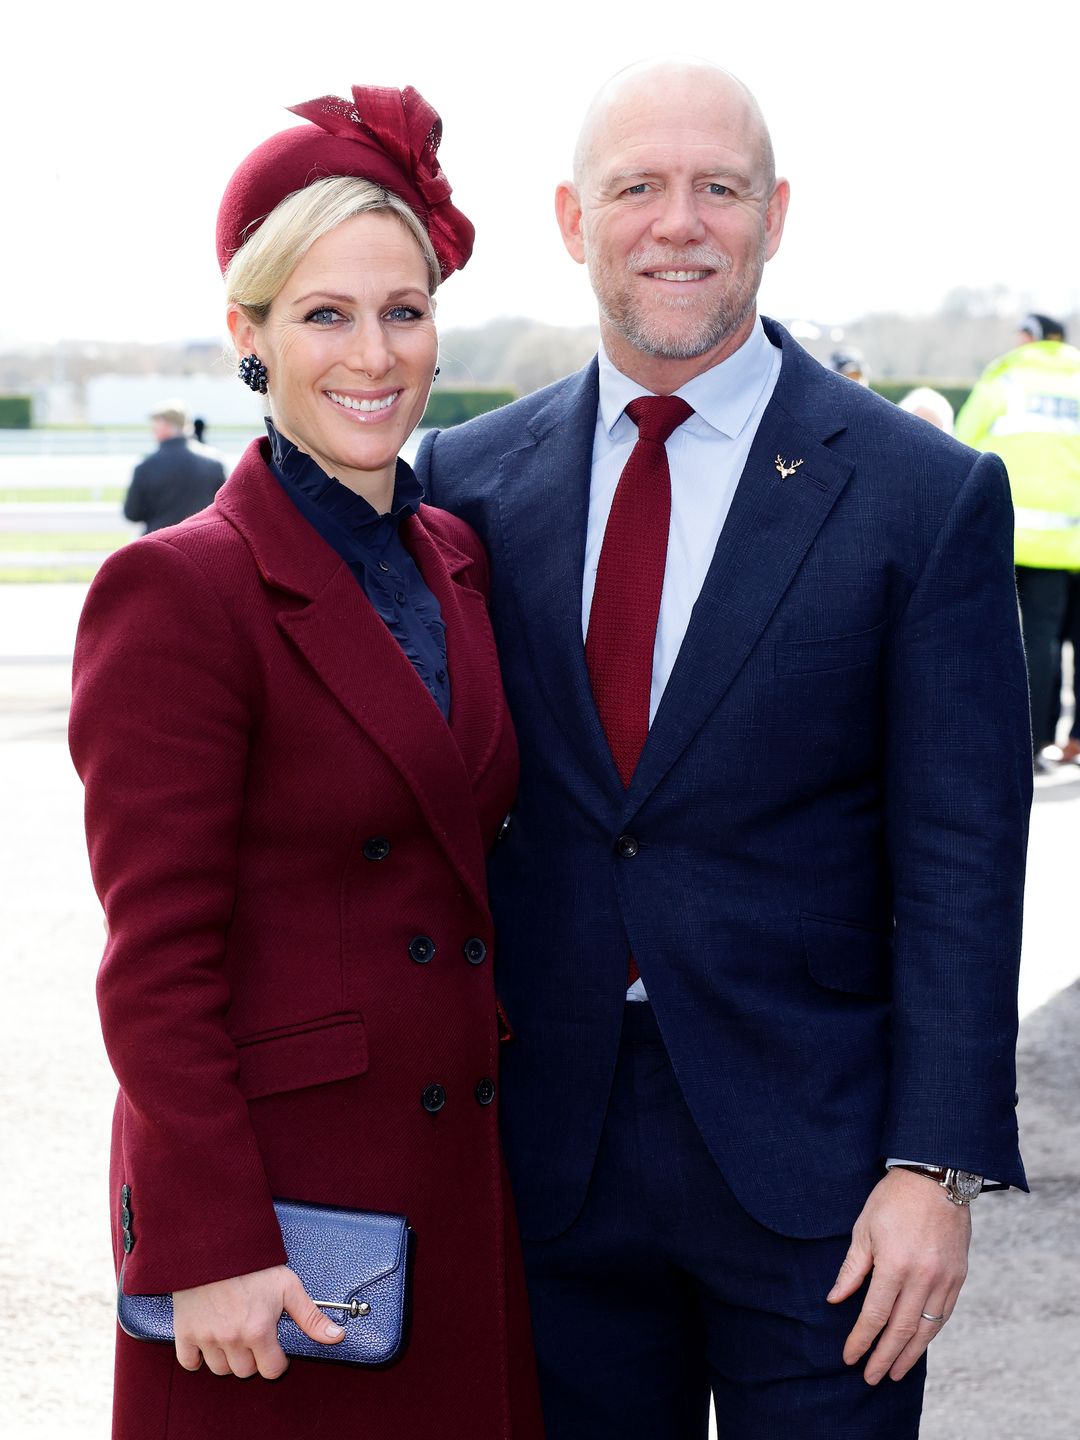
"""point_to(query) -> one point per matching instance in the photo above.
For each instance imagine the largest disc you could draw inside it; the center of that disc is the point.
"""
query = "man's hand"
(915, 1240)
(232, 1324)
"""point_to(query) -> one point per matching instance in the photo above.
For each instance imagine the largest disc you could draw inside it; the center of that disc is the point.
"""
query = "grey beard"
(646, 336)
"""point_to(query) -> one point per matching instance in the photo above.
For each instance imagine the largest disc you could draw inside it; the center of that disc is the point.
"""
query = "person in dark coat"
(179, 479)
(288, 716)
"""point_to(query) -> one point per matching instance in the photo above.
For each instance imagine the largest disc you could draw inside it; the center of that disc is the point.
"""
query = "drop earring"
(252, 372)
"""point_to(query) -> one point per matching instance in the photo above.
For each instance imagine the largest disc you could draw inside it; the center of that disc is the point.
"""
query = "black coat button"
(399, 596)
(129, 1242)
(475, 951)
(485, 1091)
(377, 848)
(384, 567)
(125, 1216)
(433, 1099)
(626, 847)
(125, 1194)
(421, 948)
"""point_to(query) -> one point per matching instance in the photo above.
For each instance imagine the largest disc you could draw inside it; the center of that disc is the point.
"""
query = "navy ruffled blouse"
(371, 546)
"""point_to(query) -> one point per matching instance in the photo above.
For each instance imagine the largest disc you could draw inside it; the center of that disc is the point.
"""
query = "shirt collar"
(724, 396)
(350, 510)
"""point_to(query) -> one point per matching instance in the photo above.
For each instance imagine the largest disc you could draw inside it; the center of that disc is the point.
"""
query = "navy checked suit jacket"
(830, 812)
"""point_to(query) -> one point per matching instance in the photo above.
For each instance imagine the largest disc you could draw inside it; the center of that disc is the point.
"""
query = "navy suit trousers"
(664, 1288)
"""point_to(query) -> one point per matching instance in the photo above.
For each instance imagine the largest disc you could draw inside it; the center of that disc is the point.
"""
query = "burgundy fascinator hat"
(390, 137)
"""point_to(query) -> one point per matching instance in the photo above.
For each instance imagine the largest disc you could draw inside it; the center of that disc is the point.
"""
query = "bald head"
(689, 87)
(675, 209)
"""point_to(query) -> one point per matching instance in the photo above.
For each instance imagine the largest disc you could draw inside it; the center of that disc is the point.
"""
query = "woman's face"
(350, 350)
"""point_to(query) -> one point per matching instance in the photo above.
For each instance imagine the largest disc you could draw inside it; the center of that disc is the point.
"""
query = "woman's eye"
(404, 312)
(324, 315)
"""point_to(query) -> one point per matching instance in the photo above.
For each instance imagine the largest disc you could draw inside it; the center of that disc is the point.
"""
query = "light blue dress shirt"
(706, 455)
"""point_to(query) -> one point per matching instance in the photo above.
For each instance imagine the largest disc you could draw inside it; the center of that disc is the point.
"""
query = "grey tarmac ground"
(1007, 1365)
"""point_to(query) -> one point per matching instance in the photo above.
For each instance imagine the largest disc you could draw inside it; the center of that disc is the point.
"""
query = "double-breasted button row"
(422, 950)
(434, 1097)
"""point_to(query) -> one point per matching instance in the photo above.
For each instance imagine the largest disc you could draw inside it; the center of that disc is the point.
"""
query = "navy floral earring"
(252, 372)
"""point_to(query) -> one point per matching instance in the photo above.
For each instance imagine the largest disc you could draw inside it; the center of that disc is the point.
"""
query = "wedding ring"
(934, 1319)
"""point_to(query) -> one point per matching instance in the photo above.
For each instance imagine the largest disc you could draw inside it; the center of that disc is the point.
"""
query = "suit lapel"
(356, 658)
(543, 513)
(771, 524)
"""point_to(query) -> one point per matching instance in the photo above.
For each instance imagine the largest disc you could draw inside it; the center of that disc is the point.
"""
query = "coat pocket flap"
(323, 1051)
(841, 956)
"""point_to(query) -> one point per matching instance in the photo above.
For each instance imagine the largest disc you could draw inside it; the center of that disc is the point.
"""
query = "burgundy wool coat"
(276, 810)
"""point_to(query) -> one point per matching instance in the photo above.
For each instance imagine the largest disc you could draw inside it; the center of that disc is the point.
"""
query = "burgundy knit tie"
(629, 582)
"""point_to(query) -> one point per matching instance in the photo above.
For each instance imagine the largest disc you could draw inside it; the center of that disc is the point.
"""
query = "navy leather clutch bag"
(355, 1264)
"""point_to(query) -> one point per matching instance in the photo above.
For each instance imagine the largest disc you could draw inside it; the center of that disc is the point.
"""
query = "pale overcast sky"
(928, 145)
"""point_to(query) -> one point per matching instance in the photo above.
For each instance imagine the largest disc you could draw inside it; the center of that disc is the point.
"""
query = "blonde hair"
(267, 258)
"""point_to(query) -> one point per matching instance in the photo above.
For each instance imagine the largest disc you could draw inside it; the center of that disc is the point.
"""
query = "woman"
(288, 718)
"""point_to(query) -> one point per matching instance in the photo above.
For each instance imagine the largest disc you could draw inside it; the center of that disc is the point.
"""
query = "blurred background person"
(1026, 408)
(851, 364)
(179, 479)
(930, 405)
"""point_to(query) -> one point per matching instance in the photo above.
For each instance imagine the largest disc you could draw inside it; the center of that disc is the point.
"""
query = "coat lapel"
(543, 513)
(357, 659)
(771, 524)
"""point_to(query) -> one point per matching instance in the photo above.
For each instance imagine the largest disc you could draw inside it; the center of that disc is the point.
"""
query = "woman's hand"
(232, 1324)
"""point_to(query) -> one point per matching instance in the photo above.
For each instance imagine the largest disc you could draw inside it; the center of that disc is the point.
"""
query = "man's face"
(675, 222)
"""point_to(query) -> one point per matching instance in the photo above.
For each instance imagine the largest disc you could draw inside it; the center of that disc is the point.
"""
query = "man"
(1025, 407)
(178, 480)
(781, 790)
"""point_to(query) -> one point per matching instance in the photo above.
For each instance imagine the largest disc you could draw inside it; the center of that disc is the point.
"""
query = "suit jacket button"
(626, 847)
(129, 1242)
(485, 1091)
(125, 1216)
(125, 1194)
(433, 1099)
(421, 948)
(377, 848)
(475, 951)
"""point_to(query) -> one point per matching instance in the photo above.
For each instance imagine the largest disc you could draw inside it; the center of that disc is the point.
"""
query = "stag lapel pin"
(785, 470)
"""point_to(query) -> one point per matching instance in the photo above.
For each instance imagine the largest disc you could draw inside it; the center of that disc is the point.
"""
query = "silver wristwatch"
(961, 1186)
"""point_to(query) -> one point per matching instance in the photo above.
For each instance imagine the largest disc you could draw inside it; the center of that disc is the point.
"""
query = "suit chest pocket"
(832, 652)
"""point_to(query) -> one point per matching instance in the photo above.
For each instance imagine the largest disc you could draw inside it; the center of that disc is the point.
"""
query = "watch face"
(964, 1184)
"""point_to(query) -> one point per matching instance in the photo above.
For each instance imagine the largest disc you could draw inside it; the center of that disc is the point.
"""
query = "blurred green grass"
(47, 575)
(69, 494)
(51, 540)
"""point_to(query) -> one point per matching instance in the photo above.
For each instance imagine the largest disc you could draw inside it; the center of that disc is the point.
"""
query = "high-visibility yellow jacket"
(1026, 408)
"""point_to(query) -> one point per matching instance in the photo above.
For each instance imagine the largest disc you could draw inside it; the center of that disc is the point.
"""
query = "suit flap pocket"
(834, 652)
(847, 957)
(317, 1054)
